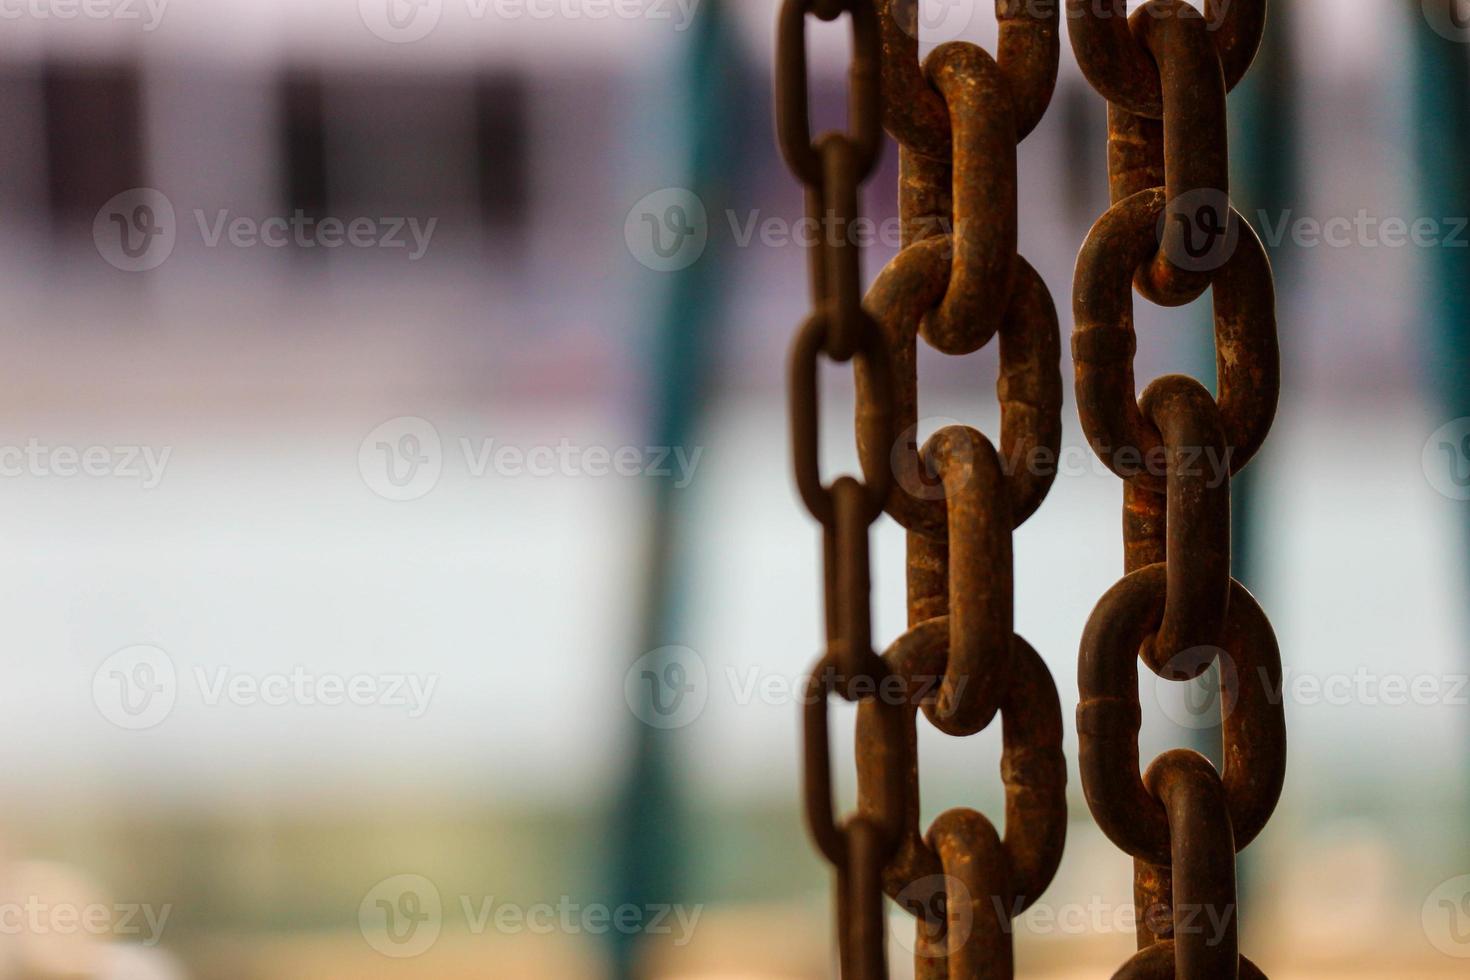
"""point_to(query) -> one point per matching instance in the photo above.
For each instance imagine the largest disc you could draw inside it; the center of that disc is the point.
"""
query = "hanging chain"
(1171, 234)
(958, 283)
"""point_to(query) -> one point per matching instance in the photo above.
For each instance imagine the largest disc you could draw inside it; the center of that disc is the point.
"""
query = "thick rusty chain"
(1170, 234)
(958, 283)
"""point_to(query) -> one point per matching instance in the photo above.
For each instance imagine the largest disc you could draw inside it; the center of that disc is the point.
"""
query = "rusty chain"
(1171, 233)
(958, 282)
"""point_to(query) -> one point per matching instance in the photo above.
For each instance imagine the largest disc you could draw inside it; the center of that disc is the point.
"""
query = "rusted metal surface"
(1186, 63)
(1156, 962)
(1103, 341)
(1120, 68)
(1202, 862)
(1029, 387)
(832, 167)
(980, 585)
(984, 199)
(1170, 234)
(959, 283)
(1029, 54)
(793, 121)
(977, 937)
(1032, 765)
(1195, 154)
(1109, 715)
(1197, 522)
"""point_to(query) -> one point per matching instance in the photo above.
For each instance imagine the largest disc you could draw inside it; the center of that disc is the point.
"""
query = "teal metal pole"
(1440, 77)
(1440, 73)
(648, 835)
(1265, 183)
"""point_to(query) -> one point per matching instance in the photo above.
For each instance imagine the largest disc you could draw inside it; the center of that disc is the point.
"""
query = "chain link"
(1171, 234)
(958, 283)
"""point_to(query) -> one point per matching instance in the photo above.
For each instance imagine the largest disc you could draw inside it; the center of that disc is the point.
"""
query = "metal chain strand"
(958, 283)
(832, 167)
(1170, 234)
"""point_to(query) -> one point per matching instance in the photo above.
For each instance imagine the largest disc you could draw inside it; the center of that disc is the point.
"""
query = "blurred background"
(390, 388)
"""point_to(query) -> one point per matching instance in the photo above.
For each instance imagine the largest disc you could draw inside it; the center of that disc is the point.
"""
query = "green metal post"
(647, 833)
